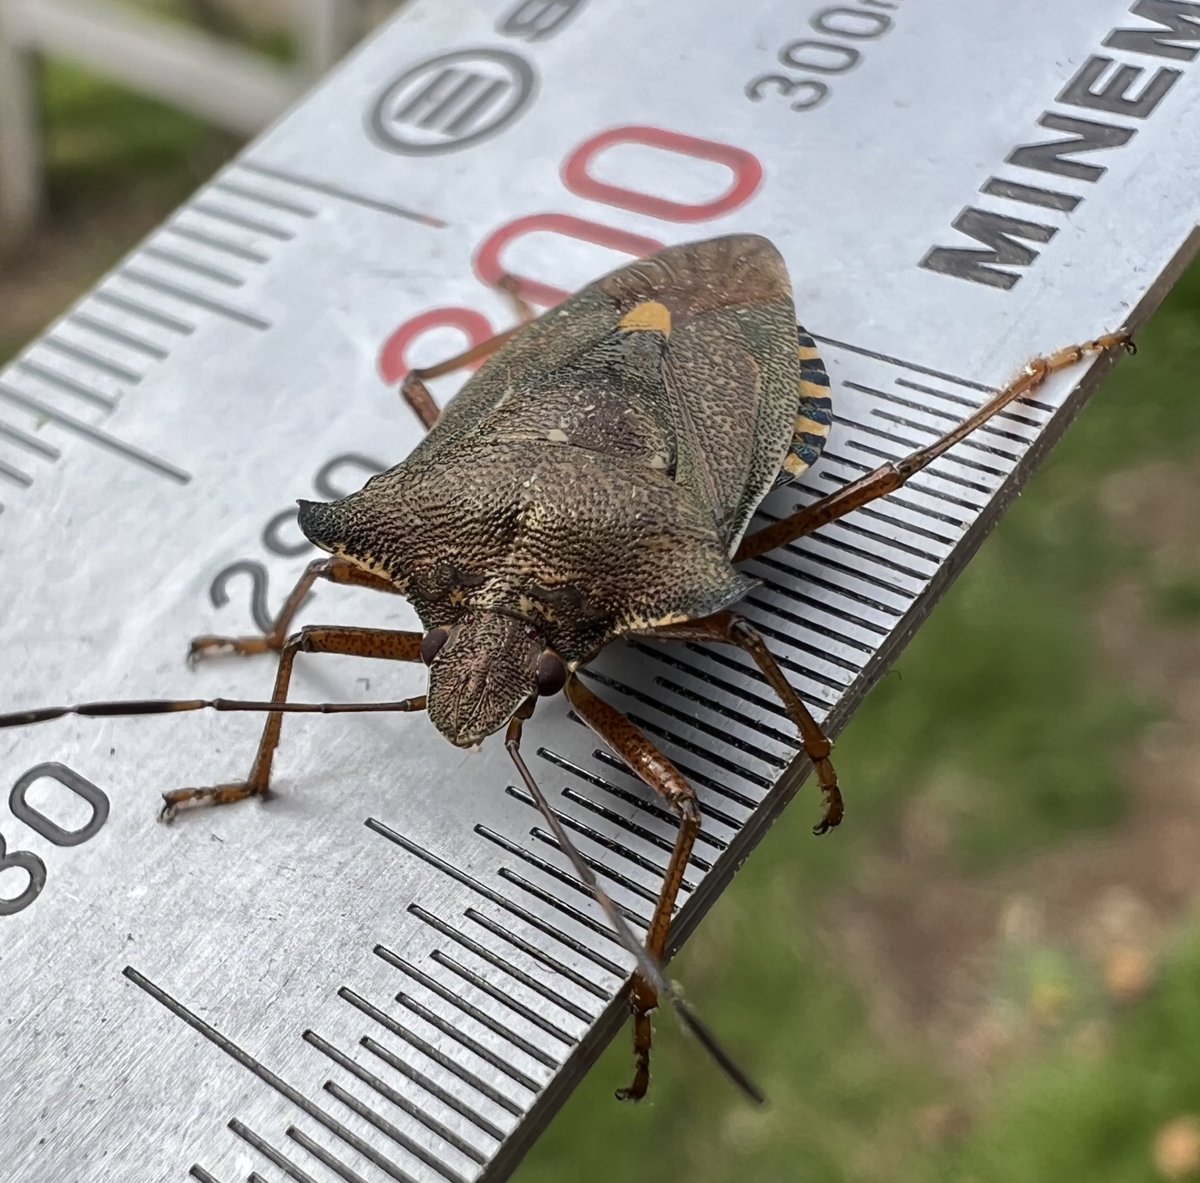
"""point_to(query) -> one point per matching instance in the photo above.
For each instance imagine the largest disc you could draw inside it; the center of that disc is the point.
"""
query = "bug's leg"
(734, 630)
(511, 287)
(647, 762)
(413, 388)
(649, 966)
(416, 393)
(359, 642)
(889, 477)
(334, 570)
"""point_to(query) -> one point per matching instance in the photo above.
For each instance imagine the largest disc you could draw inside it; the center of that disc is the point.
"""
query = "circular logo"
(447, 102)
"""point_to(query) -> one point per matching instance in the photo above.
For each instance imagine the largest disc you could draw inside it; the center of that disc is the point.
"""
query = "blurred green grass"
(116, 165)
(100, 136)
(1094, 1117)
(1003, 713)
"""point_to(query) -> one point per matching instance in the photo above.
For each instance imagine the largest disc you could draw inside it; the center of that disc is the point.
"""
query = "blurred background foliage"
(992, 972)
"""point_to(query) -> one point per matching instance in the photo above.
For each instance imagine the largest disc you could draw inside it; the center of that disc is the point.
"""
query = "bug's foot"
(180, 799)
(642, 1000)
(835, 808)
(1121, 339)
(202, 647)
(641, 1082)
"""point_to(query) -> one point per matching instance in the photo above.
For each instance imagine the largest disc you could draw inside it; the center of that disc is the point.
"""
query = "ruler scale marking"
(605, 871)
(338, 191)
(61, 382)
(961, 407)
(87, 358)
(216, 242)
(174, 259)
(93, 434)
(499, 963)
(498, 899)
(643, 807)
(692, 771)
(21, 479)
(115, 334)
(457, 1000)
(391, 1095)
(202, 1176)
(168, 287)
(551, 962)
(642, 804)
(220, 214)
(24, 440)
(224, 185)
(470, 1044)
(432, 1088)
(646, 863)
(434, 1054)
(269, 1152)
(559, 874)
(264, 1073)
(154, 315)
(323, 1156)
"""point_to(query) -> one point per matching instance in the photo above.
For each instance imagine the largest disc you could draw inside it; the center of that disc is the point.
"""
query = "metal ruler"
(388, 972)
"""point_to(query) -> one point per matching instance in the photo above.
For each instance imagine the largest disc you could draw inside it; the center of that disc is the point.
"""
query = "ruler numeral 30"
(25, 861)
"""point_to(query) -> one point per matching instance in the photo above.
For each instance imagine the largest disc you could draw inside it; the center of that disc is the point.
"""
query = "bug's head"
(482, 669)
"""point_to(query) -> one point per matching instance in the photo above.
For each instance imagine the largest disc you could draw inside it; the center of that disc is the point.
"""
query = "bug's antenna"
(166, 706)
(647, 965)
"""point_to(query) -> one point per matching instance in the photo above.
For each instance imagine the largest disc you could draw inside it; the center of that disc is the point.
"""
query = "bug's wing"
(718, 316)
(731, 374)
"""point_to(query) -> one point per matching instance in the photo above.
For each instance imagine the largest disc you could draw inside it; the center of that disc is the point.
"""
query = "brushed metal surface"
(385, 972)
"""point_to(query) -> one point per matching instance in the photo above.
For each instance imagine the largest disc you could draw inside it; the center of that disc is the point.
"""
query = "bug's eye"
(551, 673)
(431, 642)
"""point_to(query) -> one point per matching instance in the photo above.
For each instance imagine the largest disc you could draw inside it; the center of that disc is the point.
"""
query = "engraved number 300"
(25, 862)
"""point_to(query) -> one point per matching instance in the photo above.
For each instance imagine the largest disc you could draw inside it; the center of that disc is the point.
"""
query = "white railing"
(210, 76)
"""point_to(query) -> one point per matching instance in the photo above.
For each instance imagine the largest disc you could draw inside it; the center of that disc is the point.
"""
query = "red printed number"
(393, 357)
(490, 269)
(746, 170)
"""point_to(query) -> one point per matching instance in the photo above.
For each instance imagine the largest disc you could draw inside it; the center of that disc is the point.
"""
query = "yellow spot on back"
(808, 353)
(647, 317)
(793, 465)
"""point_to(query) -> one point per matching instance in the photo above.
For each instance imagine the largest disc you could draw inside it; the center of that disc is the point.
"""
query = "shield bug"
(594, 480)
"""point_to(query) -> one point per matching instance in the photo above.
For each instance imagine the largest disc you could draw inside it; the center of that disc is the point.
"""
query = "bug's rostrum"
(483, 673)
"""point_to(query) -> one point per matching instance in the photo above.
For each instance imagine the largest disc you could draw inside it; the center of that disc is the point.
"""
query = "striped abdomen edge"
(814, 413)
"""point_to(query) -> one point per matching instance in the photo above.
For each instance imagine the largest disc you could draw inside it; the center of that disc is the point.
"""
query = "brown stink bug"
(594, 480)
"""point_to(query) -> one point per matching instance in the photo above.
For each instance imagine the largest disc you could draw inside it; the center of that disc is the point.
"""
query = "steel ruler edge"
(192, 267)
